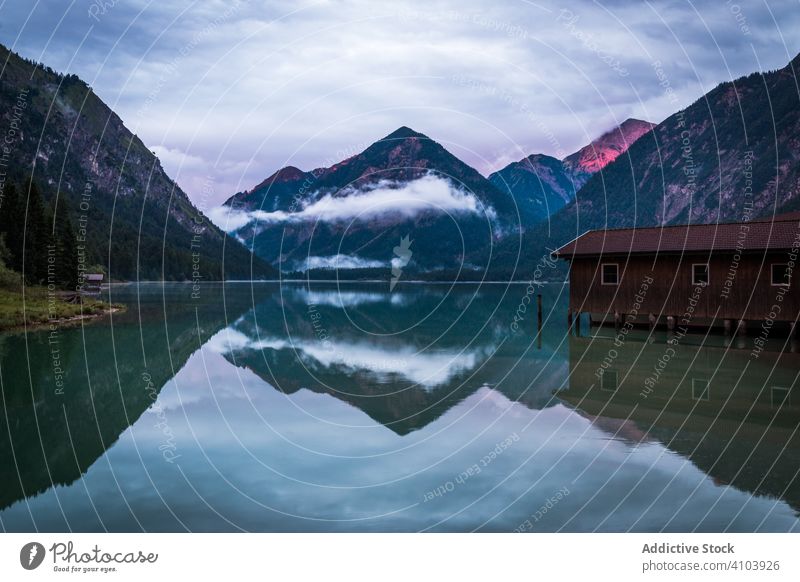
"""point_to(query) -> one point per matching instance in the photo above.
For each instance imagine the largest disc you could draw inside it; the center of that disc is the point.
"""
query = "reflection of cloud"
(230, 340)
(385, 198)
(428, 369)
(340, 262)
(343, 299)
(308, 454)
(227, 340)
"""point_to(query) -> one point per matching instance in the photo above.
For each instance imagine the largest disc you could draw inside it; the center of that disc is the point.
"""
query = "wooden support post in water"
(616, 321)
(727, 325)
(670, 323)
(741, 334)
(651, 319)
(539, 312)
(741, 328)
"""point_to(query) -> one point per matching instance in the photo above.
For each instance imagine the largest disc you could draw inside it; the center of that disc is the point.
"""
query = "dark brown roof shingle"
(782, 232)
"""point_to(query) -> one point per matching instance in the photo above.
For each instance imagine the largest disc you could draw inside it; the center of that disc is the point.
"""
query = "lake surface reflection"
(351, 408)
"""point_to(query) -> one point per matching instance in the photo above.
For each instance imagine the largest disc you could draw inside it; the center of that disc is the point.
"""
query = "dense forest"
(92, 172)
(37, 240)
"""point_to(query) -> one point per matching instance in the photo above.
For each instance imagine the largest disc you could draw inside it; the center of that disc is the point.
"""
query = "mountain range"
(405, 205)
(351, 218)
(731, 156)
(133, 220)
(354, 214)
(542, 185)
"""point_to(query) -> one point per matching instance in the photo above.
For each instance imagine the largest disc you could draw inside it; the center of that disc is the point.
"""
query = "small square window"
(609, 381)
(700, 274)
(779, 396)
(780, 274)
(610, 274)
(700, 389)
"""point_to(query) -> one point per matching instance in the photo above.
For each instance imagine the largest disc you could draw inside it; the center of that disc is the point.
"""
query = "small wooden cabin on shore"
(685, 276)
(92, 283)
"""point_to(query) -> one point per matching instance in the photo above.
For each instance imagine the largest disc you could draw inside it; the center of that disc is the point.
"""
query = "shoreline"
(70, 321)
(339, 281)
(34, 307)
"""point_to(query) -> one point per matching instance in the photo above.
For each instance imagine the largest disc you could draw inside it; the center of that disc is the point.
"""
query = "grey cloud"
(228, 92)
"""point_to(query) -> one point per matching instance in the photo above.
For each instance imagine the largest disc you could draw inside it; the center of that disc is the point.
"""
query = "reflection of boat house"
(700, 274)
(732, 416)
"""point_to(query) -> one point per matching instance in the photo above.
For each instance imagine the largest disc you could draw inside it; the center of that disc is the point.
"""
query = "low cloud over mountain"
(386, 199)
(363, 207)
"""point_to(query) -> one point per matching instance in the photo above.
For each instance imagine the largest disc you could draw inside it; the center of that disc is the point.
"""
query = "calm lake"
(348, 407)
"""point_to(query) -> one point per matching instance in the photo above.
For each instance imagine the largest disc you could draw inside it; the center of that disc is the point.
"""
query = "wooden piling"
(727, 325)
(539, 312)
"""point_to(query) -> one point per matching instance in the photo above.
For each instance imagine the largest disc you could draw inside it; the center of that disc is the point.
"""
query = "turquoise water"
(352, 408)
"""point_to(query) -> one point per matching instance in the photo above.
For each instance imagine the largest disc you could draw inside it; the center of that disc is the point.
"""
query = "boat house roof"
(781, 232)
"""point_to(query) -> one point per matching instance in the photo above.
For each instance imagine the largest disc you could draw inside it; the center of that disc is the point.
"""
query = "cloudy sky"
(226, 92)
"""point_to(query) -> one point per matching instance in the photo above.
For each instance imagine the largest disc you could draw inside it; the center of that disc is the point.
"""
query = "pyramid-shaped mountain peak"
(404, 133)
(286, 174)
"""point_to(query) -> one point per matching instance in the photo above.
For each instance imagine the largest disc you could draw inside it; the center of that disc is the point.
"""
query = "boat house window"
(700, 389)
(779, 396)
(610, 274)
(609, 381)
(780, 274)
(700, 274)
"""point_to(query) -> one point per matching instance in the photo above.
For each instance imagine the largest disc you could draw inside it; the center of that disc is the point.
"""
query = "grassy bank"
(40, 308)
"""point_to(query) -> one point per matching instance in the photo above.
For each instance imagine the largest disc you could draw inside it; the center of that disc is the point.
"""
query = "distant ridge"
(139, 224)
(404, 163)
(542, 185)
(725, 158)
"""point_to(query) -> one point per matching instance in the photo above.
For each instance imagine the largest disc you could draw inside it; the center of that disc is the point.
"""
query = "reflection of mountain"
(48, 438)
(403, 358)
(733, 417)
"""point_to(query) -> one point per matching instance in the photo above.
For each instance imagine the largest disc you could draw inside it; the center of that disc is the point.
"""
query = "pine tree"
(66, 244)
(36, 237)
(12, 219)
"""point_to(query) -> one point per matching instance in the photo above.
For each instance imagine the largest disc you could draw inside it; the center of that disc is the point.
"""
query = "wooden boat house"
(735, 274)
(92, 283)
